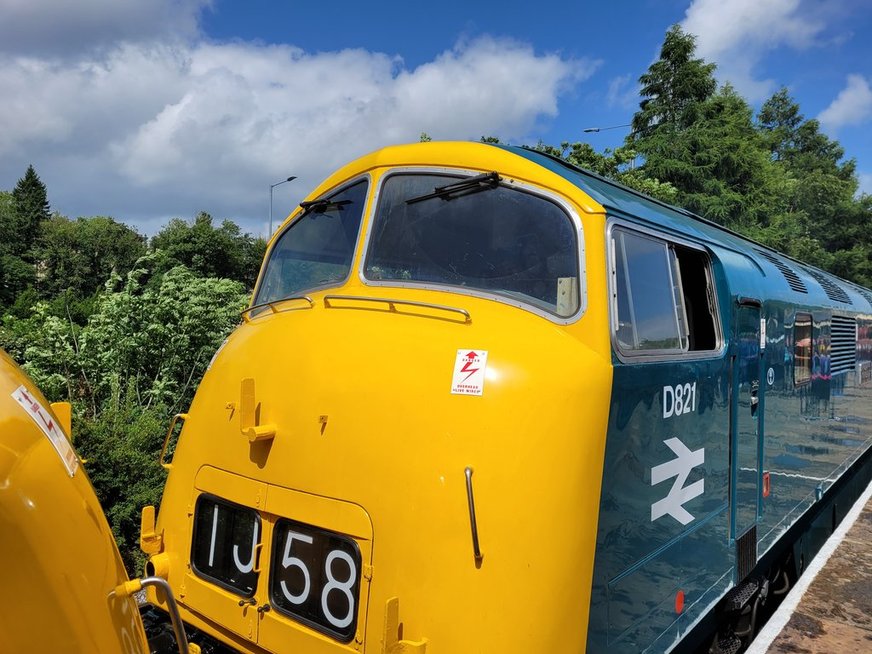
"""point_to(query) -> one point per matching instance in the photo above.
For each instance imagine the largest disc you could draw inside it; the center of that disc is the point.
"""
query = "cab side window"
(663, 300)
(802, 349)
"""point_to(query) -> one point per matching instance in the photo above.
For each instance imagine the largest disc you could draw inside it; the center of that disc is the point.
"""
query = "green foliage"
(30, 210)
(15, 276)
(815, 201)
(15, 273)
(211, 251)
(122, 333)
(718, 163)
(157, 335)
(674, 86)
(699, 139)
(799, 143)
(8, 223)
(122, 444)
(78, 256)
(778, 180)
(134, 363)
(618, 164)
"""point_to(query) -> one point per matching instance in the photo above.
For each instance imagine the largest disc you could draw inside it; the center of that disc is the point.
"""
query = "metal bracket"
(248, 418)
(391, 643)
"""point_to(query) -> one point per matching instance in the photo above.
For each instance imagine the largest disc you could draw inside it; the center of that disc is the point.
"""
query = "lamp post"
(602, 129)
(271, 187)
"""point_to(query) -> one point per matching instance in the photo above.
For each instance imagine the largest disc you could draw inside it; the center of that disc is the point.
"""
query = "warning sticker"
(469, 369)
(49, 427)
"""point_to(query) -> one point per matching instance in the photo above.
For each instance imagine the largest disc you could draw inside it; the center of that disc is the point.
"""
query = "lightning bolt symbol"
(49, 424)
(466, 368)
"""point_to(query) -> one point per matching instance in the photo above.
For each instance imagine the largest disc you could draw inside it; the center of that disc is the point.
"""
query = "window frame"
(276, 553)
(804, 316)
(644, 356)
(298, 212)
(511, 183)
(210, 497)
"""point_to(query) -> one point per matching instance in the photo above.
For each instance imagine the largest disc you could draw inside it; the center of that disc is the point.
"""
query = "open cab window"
(663, 297)
(476, 234)
(315, 250)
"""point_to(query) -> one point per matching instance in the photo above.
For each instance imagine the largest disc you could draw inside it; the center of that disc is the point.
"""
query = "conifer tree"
(700, 139)
(30, 210)
(673, 87)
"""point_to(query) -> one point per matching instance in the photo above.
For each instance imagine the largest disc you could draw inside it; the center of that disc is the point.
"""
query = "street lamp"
(601, 129)
(271, 187)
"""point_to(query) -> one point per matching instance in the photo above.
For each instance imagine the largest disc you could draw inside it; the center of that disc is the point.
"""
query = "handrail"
(128, 588)
(246, 313)
(392, 304)
(163, 451)
(473, 523)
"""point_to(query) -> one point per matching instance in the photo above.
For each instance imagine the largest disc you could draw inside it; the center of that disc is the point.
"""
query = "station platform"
(830, 608)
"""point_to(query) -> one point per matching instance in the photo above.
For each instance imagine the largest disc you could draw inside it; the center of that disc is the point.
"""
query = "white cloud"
(622, 93)
(159, 129)
(736, 34)
(64, 27)
(852, 106)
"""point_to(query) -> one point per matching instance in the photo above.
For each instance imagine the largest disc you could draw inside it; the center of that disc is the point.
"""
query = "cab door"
(746, 435)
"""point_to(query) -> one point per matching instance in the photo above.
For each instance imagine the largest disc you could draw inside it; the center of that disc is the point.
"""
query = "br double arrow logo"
(679, 494)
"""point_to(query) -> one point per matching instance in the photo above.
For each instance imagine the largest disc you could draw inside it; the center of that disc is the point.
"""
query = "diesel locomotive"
(484, 401)
(64, 584)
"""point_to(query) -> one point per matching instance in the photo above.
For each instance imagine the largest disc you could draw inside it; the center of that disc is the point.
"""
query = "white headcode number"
(344, 587)
(333, 584)
(246, 567)
(289, 561)
(679, 399)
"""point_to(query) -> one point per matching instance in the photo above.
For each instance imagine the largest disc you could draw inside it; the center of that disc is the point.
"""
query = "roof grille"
(843, 344)
(833, 290)
(790, 275)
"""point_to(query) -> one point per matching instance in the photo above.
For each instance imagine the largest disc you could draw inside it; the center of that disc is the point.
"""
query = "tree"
(718, 162)
(30, 210)
(77, 257)
(15, 274)
(209, 251)
(618, 165)
(821, 187)
(700, 139)
(673, 87)
(799, 143)
(8, 222)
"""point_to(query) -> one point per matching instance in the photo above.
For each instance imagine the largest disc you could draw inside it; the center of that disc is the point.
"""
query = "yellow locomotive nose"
(357, 504)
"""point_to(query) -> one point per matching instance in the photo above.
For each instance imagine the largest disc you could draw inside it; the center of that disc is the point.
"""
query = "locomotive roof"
(620, 200)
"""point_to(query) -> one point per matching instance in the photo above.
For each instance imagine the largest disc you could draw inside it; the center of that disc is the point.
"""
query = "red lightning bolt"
(466, 368)
(49, 423)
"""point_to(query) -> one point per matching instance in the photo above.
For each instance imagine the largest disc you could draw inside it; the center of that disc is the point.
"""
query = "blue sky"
(151, 109)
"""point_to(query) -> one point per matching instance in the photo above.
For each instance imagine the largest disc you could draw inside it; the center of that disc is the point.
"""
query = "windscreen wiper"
(463, 187)
(320, 206)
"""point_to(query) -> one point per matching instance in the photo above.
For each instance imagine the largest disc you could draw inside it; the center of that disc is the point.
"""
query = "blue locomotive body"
(728, 428)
